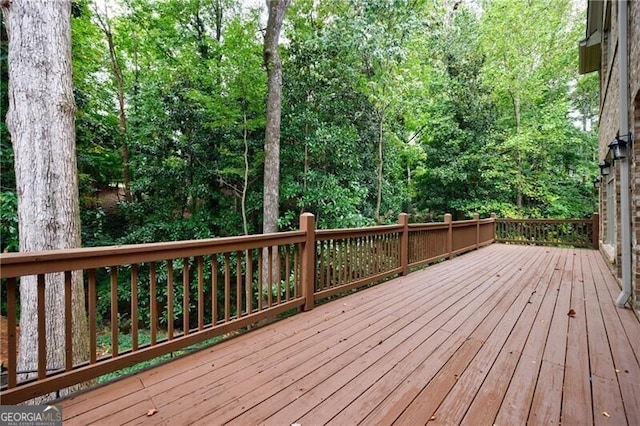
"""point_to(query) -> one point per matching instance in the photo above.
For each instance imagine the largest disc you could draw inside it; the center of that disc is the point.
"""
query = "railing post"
(595, 233)
(403, 220)
(308, 261)
(476, 217)
(495, 237)
(447, 219)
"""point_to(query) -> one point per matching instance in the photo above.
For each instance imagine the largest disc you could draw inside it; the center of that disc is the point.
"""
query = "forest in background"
(421, 106)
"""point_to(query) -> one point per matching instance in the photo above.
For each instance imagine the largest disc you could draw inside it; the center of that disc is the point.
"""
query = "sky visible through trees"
(421, 106)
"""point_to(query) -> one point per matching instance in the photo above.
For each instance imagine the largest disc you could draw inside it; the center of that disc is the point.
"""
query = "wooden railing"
(167, 296)
(567, 232)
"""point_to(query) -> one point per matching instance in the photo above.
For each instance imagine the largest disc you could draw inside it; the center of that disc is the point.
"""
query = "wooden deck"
(482, 339)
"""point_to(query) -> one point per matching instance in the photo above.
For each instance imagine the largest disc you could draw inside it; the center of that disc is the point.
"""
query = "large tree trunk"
(273, 65)
(41, 120)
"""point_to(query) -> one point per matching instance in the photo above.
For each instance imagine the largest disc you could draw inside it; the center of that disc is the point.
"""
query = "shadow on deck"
(482, 339)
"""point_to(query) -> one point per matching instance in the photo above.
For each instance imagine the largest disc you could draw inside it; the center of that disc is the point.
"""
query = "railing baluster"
(296, 269)
(278, 258)
(260, 278)
(185, 296)
(249, 281)
(214, 290)
(331, 263)
(287, 281)
(337, 262)
(385, 254)
(68, 318)
(270, 276)
(381, 252)
(357, 252)
(371, 256)
(319, 285)
(153, 307)
(92, 316)
(327, 264)
(42, 332)
(343, 261)
(11, 333)
(200, 293)
(170, 300)
(114, 311)
(238, 284)
(227, 288)
(134, 307)
(351, 268)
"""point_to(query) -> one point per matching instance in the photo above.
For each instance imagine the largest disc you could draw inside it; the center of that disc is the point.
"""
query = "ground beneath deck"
(505, 335)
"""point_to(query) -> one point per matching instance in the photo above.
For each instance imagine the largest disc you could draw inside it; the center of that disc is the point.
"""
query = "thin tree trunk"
(306, 157)
(218, 13)
(379, 171)
(246, 175)
(116, 70)
(516, 114)
(41, 120)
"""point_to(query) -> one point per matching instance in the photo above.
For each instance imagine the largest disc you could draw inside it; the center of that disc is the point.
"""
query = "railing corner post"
(595, 233)
(448, 219)
(308, 261)
(403, 220)
(476, 217)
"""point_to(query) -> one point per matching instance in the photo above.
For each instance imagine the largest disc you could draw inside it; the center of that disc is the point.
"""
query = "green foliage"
(476, 111)
(9, 221)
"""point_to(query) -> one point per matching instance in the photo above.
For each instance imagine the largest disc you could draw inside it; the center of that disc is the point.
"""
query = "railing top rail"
(505, 220)
(428, 226)
(31, 263)
(328, 234)
(459, 223)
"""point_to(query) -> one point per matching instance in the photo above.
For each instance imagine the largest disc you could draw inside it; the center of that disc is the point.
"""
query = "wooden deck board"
(490, 396)
(617, 321)
(577, 387)
(484, 338)
(516, 403)
(384, 324)
(607, 400)
(496, 355)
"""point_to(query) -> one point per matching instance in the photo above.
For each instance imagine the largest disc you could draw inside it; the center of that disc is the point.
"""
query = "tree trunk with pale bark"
(273, 64)
(41, 121)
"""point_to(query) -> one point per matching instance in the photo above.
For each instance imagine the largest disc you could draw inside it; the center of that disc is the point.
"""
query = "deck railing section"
(191, 290)
(162, 297)
(569, 232)
(350, 258)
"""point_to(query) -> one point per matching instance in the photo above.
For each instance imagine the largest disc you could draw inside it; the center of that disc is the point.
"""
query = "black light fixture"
(605, 167)
(596, 181)
(618, 146)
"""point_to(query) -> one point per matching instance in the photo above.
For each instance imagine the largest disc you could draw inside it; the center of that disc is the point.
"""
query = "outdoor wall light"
(605, 168)
(596, 181)
(618, 146)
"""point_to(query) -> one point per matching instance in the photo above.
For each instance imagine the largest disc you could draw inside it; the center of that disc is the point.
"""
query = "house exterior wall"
(634, 83)
(609, 127)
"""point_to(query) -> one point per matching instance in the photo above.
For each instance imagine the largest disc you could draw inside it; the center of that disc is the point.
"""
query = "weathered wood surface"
(483, 339)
